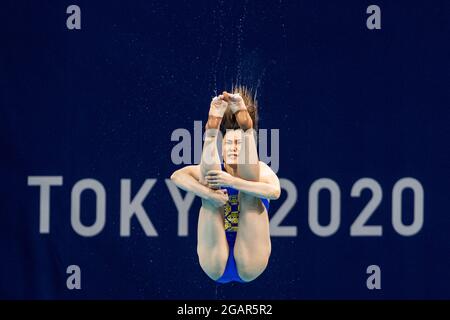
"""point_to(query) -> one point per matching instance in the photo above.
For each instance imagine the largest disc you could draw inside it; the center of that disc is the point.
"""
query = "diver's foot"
(216, 111)
(237, 106)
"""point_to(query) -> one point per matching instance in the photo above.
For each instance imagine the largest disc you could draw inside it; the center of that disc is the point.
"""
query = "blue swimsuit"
(231, 216)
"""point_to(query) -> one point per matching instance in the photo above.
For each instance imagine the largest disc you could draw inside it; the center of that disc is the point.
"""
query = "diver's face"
(232, 146)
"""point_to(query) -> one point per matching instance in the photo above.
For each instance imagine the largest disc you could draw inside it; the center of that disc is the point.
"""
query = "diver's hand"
(218, 198)
(219, 178)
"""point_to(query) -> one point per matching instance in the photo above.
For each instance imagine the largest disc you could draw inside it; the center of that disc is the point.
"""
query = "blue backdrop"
(102, 102)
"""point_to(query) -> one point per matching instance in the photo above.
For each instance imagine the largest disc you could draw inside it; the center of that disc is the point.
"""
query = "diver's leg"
(248, 162)
(210, 157)
(212, 245)
(252, 248)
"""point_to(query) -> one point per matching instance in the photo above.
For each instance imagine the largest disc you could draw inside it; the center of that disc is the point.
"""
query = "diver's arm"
(268, 187)
(187, 179)
(258, 189)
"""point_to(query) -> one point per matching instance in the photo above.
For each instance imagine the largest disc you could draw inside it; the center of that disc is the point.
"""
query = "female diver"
(233, 225)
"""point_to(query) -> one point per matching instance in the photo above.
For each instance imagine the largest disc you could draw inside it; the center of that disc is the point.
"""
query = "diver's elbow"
(275, 195)
(174, 176)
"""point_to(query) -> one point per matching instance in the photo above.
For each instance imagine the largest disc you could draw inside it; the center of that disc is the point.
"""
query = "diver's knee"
(250, 267)
(213, 262)
(250, 273)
